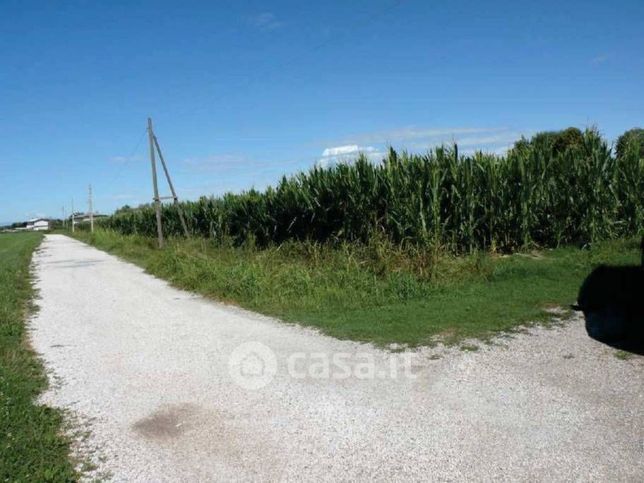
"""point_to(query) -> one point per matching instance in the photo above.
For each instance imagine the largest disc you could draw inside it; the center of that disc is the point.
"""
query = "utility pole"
(91, 211)
(174, 194)
(154, 144)
(157, 200)
(73, 222)
(64, 220)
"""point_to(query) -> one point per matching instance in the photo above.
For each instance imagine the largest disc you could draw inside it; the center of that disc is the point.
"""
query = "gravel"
(158, 379)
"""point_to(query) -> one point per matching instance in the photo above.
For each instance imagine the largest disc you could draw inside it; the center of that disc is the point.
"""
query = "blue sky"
(242, 92)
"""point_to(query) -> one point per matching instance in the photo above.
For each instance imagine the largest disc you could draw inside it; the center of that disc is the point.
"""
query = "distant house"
(37, 224)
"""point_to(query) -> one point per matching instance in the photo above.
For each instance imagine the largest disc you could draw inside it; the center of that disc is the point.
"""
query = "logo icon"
(252, 365)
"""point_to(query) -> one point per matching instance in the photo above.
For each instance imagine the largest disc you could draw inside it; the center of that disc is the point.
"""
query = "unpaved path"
(146, 367)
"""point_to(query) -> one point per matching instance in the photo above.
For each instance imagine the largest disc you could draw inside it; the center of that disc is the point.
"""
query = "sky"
(243, 92)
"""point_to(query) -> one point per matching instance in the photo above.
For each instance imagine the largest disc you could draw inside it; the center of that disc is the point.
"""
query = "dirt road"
(171, 387)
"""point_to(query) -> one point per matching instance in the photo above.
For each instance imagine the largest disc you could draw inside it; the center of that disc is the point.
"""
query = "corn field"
(532, 196)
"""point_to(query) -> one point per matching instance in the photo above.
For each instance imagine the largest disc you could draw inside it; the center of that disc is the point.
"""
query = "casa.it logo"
(252, 365)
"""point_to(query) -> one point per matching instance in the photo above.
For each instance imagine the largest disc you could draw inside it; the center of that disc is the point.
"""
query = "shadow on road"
(74, 263)
(612, 300)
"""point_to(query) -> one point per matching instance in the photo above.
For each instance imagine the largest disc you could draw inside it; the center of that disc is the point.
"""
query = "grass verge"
(31, 445)
(375, 293)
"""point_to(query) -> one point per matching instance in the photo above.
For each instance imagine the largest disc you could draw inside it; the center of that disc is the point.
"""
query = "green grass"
(31, 445)
(376, 293)
(623, 355)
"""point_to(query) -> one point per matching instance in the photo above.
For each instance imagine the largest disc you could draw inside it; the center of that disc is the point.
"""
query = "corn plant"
(535, 195)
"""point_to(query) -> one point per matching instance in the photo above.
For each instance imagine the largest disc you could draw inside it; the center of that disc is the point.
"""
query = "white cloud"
(218, 163)
(481, 140)
(497, 143)
(344, 150)
(420, 139)
(502, 150)
(124, 159)
(346, 154)
(265, 21)
(413, 133)
(599, 59)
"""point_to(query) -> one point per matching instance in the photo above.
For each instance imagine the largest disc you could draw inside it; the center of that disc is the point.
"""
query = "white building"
(38, 224)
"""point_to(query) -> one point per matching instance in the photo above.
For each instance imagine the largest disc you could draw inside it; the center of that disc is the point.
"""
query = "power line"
(130, 156)
(267, 73)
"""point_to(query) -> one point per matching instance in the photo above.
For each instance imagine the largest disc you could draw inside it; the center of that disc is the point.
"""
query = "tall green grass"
(32, 447)
(374, 292)
(539, 194)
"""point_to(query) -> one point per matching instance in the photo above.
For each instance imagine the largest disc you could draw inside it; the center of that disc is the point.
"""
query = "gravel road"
(163, 385)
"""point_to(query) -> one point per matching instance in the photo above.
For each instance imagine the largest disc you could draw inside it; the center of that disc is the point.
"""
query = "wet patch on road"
(169, 422)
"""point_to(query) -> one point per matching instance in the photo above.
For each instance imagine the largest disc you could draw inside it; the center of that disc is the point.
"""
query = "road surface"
(163, 385)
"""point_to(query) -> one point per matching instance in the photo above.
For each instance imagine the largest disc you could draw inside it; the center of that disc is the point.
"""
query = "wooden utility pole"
(73, 222)
(64, 219)
(174, 194)
(157, 200)
(154, 145)
(91, 211)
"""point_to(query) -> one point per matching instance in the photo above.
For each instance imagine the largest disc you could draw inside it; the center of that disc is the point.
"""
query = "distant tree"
(551, 142)
(566, 139)
(631, 139)
(123, 209)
